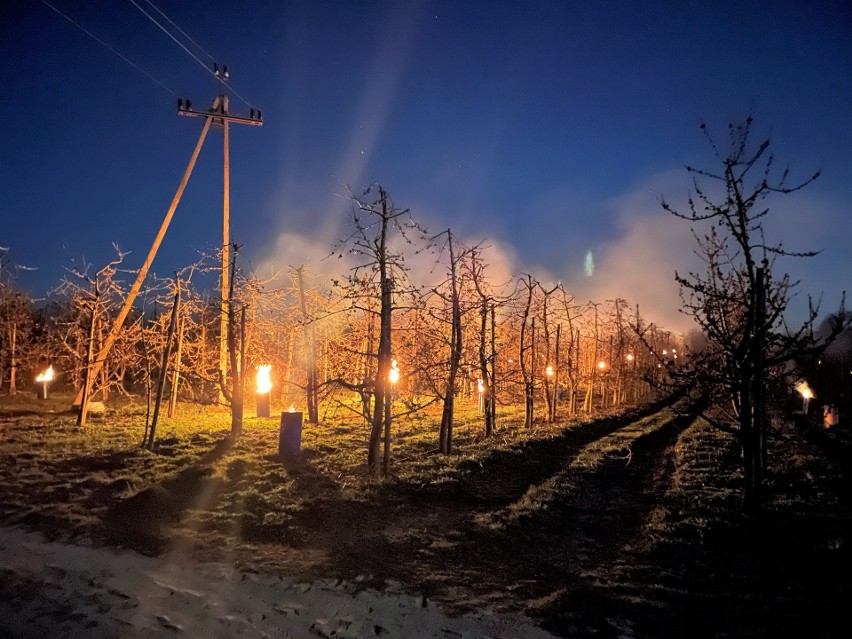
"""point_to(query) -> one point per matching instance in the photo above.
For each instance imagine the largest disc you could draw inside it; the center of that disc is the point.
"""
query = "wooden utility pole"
(226, 241)
(217, 115)
(223, 118)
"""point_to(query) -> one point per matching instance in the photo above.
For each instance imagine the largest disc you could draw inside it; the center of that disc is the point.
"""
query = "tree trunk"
(288, 374)
(236, 356)
(13, 358)
(758, 413)
(176, 373)
(238, 376)
(446, 436)
(90, 350)
(555, 401)
(484, 374)
(525, 372)
(309, 338)
(381, 420)
(530, 386)
(492, 397)
(386, 457)
(164, 369)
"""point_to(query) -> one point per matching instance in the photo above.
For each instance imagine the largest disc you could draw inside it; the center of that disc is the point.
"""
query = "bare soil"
(627, 525)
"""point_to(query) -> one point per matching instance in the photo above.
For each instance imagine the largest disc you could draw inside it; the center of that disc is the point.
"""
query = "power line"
(194, 57)
(108, 47)
(182, 32)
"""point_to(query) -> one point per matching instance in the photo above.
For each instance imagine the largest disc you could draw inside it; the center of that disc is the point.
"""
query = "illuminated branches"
(374, 287)
(16, 323)
(93, 298)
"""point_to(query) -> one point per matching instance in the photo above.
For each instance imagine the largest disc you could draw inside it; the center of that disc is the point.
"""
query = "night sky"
(551, 128)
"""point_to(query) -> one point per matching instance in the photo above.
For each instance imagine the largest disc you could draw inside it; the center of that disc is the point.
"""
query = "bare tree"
(309, 339)
(233, 389)
(526, 350)
(571, 348)
(164, 366)
(551, 376)
(93, 298)
(378, 277)
(16, 316)
(451, 298)
(738, 302)
(487, 350)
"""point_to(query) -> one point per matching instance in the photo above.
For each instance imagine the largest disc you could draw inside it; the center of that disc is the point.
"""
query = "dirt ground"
(623, 526)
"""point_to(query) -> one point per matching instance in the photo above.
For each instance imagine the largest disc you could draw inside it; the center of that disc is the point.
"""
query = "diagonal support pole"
(98, 363)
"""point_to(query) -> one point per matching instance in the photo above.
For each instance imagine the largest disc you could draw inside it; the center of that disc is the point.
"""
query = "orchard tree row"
(376, 339)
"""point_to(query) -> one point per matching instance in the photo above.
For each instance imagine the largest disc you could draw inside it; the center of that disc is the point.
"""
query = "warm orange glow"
(601, 364)
(549, 371)
(480, 386)
(629, 357)
(292, 409)
(393, 375)
(264, 384)
(665, 352)
(805, 390)
(46, 376)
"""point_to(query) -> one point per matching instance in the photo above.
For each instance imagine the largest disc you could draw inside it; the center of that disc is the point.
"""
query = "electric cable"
(108, 47)
(182, 32)
(194, 57)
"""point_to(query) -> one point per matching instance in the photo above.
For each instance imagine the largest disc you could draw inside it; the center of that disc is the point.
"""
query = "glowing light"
(665, 352)
(480, 386)
(807, 395)
(805, 390)
(549, 371)
(601, 364)
(589, 264)
(264, 384)
(46, 376)
(629, 357)
(292, 409)
(393, 374)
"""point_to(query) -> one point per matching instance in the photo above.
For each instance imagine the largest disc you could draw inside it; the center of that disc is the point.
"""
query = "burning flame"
(46, 376)
(805, 390)
(264, 384)
(393, 375)
(292, 409)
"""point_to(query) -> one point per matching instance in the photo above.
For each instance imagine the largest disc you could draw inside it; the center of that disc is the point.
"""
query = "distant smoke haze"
(637, 263)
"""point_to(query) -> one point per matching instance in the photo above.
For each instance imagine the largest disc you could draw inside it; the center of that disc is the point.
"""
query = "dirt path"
(518, 532)
(535, 553)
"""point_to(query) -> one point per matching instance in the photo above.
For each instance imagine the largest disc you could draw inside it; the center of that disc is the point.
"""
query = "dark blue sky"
(552, 127)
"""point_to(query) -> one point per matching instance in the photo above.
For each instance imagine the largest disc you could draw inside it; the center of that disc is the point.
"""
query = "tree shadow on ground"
(141, 521)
